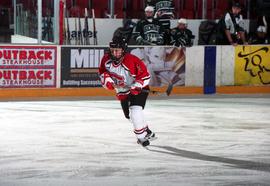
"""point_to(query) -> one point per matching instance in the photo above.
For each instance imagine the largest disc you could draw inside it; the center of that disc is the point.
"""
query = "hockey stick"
(80, 29)
(178, 56)
(125, 103)
(170, 86)
(76, 30)
(49, 22)
(64, 34)
(85, 32)
(154, 92)
(169, 89)
(67, 33)
(62, 27)
(94, 27)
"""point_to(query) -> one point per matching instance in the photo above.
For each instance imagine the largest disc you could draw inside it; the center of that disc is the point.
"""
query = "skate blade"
(152, 139)
(146, 147)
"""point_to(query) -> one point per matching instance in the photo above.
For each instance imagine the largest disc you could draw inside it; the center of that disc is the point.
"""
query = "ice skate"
(150, 135)
(144, 142)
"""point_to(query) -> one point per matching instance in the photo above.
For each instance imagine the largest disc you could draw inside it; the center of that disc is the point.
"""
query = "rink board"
(85, 93)
(241, 69)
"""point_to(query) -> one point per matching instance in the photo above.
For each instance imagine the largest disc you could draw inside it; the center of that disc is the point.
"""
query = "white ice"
(202, 140)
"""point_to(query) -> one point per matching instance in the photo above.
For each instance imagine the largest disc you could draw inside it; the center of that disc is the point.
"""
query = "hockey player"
(181, 35)
(164, 13)
(149, 30)
(128, 76)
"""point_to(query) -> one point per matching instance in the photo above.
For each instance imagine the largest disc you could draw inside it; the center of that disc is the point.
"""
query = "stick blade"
(169, 89)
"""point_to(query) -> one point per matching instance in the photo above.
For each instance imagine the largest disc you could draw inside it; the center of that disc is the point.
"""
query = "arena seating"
(178, 6)
(101, 8)
(6, 3)
(119, 8)
(135, 9)
(190, 9)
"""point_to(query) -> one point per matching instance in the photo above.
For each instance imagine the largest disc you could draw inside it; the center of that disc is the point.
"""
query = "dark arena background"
(208, 102)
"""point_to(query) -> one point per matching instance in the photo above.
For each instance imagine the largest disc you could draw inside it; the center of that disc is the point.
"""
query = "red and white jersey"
(131, 70)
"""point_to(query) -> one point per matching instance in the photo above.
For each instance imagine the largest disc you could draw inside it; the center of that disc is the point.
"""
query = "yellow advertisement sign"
(252, 65)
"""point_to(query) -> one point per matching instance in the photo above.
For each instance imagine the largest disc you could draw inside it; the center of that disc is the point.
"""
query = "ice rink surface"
(202, 140)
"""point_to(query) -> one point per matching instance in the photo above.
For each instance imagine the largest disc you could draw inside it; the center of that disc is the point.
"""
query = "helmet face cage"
(118, 43)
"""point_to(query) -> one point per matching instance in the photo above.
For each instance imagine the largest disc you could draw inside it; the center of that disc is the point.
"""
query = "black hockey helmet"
(118, 42)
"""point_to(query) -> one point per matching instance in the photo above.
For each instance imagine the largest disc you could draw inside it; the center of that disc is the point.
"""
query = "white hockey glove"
(136, 88)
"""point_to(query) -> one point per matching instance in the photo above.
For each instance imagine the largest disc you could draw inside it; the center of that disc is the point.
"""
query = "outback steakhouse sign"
(27, 66)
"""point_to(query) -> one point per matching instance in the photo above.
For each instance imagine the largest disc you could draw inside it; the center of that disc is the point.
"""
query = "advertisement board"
(79, 65)
(252, 65)
(166, 65)
(28, 66)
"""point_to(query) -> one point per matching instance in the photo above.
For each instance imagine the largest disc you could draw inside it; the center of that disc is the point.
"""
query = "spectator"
(126, 31)
(149, 30)
(163, 13)
(163, 8)
(260, 37)
(181, 35)
(231, 27)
